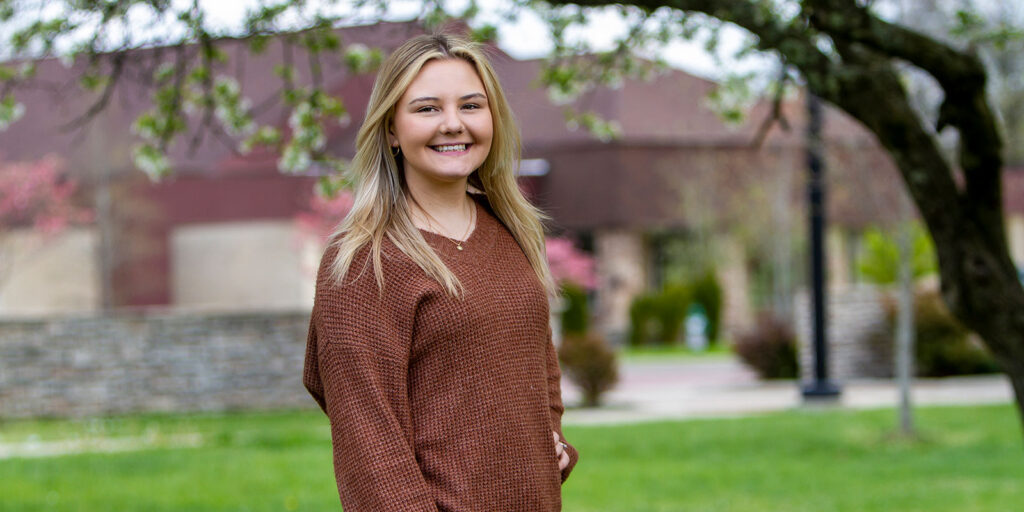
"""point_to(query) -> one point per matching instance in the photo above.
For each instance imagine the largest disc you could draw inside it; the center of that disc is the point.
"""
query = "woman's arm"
(356, 369)
(556, 406)
(374, 462)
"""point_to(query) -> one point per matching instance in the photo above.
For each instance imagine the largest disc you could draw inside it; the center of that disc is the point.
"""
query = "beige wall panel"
(839, 264)
(737, 315)
(241, 266)
(622, 274)
(46, 275)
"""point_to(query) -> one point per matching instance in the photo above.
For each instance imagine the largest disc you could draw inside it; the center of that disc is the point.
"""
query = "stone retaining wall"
(858, 344)
(143, 362)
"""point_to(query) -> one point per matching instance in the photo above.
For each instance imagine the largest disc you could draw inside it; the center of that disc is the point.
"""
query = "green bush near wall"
(769, 348)
(576, 315)
(591, 364)
(943, 347)
(707, 291)
(641, 319)
(671, 305)
(657, 318)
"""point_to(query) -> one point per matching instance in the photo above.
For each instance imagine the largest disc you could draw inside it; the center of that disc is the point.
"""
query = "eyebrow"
(466, 97)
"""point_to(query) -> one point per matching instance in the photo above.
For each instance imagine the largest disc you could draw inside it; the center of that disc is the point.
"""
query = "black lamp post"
(821, 388)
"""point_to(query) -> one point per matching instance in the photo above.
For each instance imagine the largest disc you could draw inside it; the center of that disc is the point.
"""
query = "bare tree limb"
(961, 75)
(206, 45)
(117, 61)
(776, 112)
(181, 64)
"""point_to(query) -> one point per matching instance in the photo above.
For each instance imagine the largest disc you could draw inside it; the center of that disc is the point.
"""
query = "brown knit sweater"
(438, 403)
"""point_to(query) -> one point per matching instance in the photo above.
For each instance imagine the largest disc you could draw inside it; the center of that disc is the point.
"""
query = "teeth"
(451, 147)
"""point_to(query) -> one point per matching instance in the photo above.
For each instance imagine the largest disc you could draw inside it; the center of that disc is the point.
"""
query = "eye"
(427, 108)
(471, 106)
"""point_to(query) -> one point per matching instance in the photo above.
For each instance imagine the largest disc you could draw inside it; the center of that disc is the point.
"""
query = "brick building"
(220, 235)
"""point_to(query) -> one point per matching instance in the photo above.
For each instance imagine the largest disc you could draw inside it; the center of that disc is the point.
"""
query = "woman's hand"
(560, 452)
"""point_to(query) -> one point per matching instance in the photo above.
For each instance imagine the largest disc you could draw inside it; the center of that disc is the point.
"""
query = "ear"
(392, 139)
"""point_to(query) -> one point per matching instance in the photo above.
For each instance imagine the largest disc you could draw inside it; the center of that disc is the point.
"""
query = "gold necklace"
(465, 236)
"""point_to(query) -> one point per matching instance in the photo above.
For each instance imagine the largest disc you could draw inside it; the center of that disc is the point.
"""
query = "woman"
(429, 347)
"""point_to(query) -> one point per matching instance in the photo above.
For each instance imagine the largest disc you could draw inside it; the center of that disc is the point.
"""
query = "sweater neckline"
(477, 243)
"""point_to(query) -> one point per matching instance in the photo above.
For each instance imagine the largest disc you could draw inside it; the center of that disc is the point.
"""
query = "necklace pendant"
(459, 246)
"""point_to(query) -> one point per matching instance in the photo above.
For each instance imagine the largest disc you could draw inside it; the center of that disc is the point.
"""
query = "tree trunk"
(979, 280)
(964, 216)
(1017, 381)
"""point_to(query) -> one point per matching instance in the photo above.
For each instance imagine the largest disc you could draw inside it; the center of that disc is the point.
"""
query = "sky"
(527, 37)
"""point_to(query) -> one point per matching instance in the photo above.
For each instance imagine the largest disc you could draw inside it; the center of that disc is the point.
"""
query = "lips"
(450, 148)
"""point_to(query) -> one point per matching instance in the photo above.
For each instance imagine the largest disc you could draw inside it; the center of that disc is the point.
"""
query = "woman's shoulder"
(396, 268)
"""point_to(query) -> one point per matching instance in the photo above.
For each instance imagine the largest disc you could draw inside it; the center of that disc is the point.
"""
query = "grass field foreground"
(676, 352)
(968, 459)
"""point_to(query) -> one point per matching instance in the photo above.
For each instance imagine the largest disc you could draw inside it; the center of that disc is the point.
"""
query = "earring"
(396, 150)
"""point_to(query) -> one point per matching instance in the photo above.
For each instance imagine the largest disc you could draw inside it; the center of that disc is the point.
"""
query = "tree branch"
(117, 66)
(776, 113)
(794, 41)
(181, 64)
(961, 75)
(207, 95)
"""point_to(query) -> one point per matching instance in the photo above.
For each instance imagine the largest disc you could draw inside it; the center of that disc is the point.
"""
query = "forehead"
(444, 77)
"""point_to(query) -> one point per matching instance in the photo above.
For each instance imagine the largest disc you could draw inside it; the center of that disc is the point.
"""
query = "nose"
(452, 123)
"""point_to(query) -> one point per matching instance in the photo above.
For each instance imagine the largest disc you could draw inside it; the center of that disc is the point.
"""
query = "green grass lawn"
(675, 352)
(969, 459)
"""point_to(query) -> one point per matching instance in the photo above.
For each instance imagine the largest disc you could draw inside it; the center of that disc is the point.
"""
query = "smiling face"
(443, 123)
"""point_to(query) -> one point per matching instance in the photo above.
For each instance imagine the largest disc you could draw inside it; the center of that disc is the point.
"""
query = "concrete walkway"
(711, 388)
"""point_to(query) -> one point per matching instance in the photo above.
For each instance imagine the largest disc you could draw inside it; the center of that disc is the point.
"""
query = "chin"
(453, 175)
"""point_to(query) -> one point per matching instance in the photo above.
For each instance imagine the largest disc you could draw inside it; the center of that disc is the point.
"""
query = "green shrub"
(706, 291)
(671, 312)
(641, 319)
(589, 363)
(769, 349)
(878, 260)
(943, 347)
(658, 318)
(576, 316)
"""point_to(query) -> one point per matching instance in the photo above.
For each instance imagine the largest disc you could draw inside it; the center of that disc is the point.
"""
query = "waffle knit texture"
(439, 403)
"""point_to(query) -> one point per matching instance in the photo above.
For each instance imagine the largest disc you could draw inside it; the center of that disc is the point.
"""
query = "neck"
(443, 208)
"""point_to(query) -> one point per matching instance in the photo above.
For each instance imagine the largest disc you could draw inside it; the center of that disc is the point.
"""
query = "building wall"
(737, 314)
(93, 365)
(42, 275)
(621, 257)
(256, 265)
(839, 269)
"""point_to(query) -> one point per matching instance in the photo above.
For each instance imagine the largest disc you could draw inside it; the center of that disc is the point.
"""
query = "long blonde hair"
(380, 207)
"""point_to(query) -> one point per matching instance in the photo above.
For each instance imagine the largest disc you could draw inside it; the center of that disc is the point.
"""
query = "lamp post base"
(820, 391)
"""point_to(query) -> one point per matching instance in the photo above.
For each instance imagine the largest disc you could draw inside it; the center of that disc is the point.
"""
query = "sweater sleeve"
(356, 369)
(555, 404)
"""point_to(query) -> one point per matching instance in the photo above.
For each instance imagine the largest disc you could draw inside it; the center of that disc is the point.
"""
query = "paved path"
(723, 387)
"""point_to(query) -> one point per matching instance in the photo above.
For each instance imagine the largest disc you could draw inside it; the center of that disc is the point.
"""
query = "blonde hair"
(380, 206)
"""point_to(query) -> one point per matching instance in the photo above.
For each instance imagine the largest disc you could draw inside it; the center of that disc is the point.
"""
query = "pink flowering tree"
(569, 265)
(37, 196)
(573, 269)
(324, 214)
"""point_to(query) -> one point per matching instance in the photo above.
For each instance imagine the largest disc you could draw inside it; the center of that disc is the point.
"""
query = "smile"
(450, 148)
